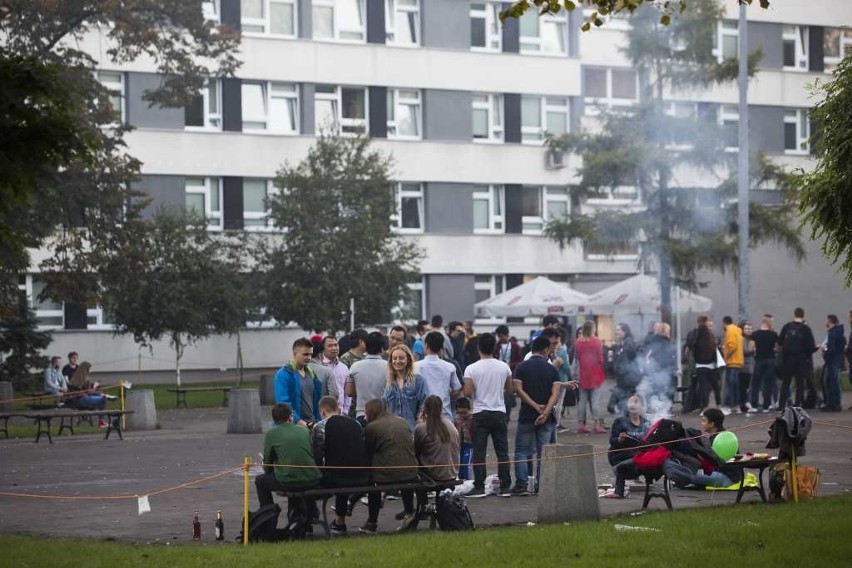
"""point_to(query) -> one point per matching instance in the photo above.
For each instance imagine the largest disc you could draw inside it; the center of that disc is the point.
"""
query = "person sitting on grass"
(436, 445)
(626, 434)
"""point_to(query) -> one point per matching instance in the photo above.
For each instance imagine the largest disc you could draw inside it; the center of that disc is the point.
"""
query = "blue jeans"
(732, 387)
(528, 439)
(715, 479)
(763, 381)
(465, 471)
(832, 386)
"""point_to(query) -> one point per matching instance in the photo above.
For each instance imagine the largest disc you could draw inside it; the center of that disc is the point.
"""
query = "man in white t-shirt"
(440, 376)
(487, 383)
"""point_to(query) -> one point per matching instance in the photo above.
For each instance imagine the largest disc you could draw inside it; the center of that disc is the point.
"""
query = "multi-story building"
(462, 104)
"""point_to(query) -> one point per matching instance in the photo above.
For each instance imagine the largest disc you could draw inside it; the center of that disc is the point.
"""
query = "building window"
(609, 87)
(204, 197)
(270, 106)
(726, 40)
(114, 82)
(618, 251)
(682, 132)
(344, 109)
(256, 194)
(276, 17)
(402, 22)
(211, 11)
(411, 307)
(544, 34)
(488, 207)
(205, 110)
(409, 207)
(837, 43)
(487, 117)
(49, 313)
(796, 48)
(339, 19)
(99, 317)
(543, 114)
(619, 195)
(796, 132)
(404, 117)
(488, 286)
(485, 31)
(729, 120)
(541, 205)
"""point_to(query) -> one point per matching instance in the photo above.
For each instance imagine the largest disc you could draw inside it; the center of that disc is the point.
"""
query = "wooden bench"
(650, 477)
(180, 394)
(44, 418)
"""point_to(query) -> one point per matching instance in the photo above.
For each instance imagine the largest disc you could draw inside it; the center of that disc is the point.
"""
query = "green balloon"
(725, 444)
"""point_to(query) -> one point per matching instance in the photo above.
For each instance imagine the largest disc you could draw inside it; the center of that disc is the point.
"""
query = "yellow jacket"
(732, 348)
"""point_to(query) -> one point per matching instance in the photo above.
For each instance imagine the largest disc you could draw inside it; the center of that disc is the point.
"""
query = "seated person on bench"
(713, 472)
(54, 381)
(339, 442)
(436, 445)
(626, 433)
(84, 395)
(286, 444)
(390, 448)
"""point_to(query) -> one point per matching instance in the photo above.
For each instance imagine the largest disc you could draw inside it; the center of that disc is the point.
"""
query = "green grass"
(815, 533)
(165, 400)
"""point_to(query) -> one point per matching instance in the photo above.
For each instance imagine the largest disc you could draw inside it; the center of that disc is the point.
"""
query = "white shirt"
(370, 376)
(441, 378)
(489, 381)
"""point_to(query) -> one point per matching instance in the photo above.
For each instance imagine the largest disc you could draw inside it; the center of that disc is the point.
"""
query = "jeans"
(529, 438)
(681, 476)
(465, 460)
(707, 379)
(491, 423)
(588, 397)
(732, 387)
(715, 479)
(832, 386)
(763, 381)
(96, 401)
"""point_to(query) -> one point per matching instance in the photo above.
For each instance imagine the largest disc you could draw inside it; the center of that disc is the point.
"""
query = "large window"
(540, 205)
(343, 109)
(619, 251)
(49, 313)
(796, 131)
(488, 286)
(543, 114)
(339, 19)
(402, 22)
(256, 194)
(412, 307)
(796, 48)
(211, 10)
(729, 120)
(204, 197)
(609, 87)
(726, 40)
(487, 117)
(269, 16)
(544, 34)
(404, 118)
(409, 207)
(488, 207)
(485, 31)
(114, 82)
(836, 43)
(205, 110)
(270, 106)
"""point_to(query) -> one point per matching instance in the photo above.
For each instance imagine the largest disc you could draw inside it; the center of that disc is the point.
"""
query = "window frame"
(495, 286)
(414, 190)
(493, 105)
(206, 191)
(265, 22)
(799, 35)
(490, 15)
(213, 16)
(267, 88)
(726, 114)
(253, 215)
(844, 39)
(395, 102)
(336, 98)
(394, 8)
(208, 116)
(723, 29)
(547, 194)
(115, 87)
(617, 196)
(535, 45)
(803, 129)
(28, 287)
(495, 196)
(544, 107)
(335, 21)
(609, 100)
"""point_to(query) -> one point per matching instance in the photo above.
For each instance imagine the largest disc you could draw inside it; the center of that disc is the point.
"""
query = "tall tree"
(21, 346)
(335, 208)
(680, 230)
(825, 198)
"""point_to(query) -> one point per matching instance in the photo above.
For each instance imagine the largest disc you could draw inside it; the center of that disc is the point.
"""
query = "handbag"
(720, 361)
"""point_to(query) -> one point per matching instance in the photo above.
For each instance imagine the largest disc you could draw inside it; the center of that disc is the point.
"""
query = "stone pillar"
(266, 389)
(568, 489)
(244, 412)
(144, 416)
(7, 393)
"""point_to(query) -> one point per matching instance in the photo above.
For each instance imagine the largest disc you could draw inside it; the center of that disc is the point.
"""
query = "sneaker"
(364, 500)
(765, 410)
(562, 430)
(337, 530)
(736, 410)
(611, 494)
(401, 515)
(600, 430)
(368, 528)
(407, 523)
(476, 493)
(749, 407)
(110, 397)
(725, 410)
(504, 492)
(392, 496)
(583, 430)
(102, 423)
(520, 492)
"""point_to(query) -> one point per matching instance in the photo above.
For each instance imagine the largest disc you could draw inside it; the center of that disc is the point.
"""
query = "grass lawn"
(815, 533)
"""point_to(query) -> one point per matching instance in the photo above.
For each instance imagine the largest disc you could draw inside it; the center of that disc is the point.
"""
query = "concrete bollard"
(7, 393)
(244, 412)
(144, 416)
(266, 389)
(568, 488)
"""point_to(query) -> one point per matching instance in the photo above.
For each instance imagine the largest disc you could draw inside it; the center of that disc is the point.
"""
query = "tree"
(179, 282)
(335, 209)
(21, 346)
(825, 200)
(680, 230)
(66, 185)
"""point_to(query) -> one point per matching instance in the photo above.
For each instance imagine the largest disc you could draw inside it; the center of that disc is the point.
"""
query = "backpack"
(794, 341)
(263, 525)
(664, 430)
(451, 512)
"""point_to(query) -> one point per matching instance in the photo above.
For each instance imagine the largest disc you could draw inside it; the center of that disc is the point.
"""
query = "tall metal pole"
(744, 280)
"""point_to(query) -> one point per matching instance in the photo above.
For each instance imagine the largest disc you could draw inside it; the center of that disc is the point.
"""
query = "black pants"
(708, 379)
(745, 381)
(266, 483)
(802, 370)
(341, 500)
(491, 423)
(375, 502)
(623, 471)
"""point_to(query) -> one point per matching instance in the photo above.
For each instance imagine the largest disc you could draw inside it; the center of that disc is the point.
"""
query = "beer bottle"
(196, 527)
(220, 526)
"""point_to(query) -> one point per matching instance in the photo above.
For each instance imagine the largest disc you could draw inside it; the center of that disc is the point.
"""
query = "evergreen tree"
(21, 347)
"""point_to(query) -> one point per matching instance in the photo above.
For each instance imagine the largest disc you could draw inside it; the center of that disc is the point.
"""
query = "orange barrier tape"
(70, 394)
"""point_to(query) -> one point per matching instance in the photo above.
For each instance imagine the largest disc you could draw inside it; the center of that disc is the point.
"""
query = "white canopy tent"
(538, 297)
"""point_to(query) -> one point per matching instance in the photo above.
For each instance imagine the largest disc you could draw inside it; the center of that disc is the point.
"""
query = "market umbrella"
(538, 297)
(640, 294)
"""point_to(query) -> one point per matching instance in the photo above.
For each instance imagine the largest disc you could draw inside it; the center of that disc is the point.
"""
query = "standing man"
(396, 336)
(440, 376)
(732, 349)
(323, 373)
(487, 383)
(368, 377)
(71, 368)
(471, 351)
(797, 348)
(297, 386)
(832, 354)
(456, 330)
(763, 379)
(340, 372)
(508, 351)
(438, 325)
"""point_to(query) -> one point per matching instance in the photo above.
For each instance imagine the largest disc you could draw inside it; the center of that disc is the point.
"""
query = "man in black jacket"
(797, 348)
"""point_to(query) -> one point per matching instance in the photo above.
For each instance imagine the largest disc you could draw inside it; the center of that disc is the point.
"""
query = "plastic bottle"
(196, 527)
(219, 526)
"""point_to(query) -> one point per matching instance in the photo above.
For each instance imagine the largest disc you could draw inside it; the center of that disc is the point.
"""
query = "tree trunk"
(178, 354)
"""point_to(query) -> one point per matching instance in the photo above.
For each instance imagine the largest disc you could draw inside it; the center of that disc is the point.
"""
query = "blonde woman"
(405, 391)
(83, 391)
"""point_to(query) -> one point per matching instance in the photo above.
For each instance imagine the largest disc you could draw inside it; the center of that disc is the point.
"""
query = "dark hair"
(799, 313)
(329, 403)
(463, 402)
(421, 326)
(703, 319)
(304, 342)
(399, 328)
(434, 341)
(727, 320)
(357, 336)
(433, 409)
(375, 343)
(281, 412)
(715, 416)
(540, 344)
(626, 329)
(374, 409)
(73, 354)
(454, 324)
(502, 330)
(588, 328)
(833, 319)
(317, 348)
(550, 320)
(550, 333)
(485, 343)
(437, 320)
(55, 358)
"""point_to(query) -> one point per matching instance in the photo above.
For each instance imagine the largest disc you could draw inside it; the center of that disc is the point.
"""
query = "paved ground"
(192, 444)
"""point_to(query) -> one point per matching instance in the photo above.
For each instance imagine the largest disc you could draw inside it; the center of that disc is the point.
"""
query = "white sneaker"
(749, 407)
(725, 410)
(736, 410)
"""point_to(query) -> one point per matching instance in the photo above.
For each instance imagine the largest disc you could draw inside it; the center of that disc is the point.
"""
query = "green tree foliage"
(22, 347)
(680, 230)
(825, 198)
(179, 282)
(335, 208)
(66, 183)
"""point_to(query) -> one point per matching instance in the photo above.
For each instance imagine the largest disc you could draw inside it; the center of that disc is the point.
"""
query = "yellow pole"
(793, 475)
(246, 468)
(121, 394)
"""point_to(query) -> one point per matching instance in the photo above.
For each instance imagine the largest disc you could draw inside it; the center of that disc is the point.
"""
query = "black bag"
(663, 431)
(263, 525)
(570, 398)
(451, 512)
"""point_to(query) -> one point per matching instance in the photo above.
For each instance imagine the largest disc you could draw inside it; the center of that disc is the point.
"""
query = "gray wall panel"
(575, 20)
(449, 208)
(450, 295)
(768, 38)
(446, 24)
(377, 117)
(232, 105)
(306, 108)
(230, 15)
(447, 115)
(511, 33)
(512, 118)
(166, 191)
(766, 129)
(376, 21)
(306, 22)
(139, 113)
(232, 203)
(816, 48)
(513, 197)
